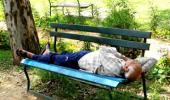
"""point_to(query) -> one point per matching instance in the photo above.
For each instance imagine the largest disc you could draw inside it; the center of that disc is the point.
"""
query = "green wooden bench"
(94, 79)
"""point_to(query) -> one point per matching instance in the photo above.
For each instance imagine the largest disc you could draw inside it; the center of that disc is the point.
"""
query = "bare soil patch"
(13, 86)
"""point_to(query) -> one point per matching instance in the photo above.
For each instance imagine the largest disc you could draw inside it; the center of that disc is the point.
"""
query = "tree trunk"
(21, 27)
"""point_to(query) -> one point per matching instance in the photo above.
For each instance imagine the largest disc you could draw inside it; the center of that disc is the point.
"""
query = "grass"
(62, 87)
(5, 60)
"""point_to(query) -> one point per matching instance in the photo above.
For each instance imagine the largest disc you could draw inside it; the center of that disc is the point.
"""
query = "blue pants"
(64, 59)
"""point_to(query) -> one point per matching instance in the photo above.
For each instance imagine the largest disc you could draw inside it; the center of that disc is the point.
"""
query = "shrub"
(67, 46)
(120, 15)
(154, 18)
(160, 23)
(161, 71)
(45, 20)
(4, 40)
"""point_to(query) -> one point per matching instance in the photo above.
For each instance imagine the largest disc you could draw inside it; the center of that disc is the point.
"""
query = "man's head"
(132, 70)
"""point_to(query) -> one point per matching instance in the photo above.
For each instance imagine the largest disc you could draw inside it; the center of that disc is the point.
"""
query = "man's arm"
(125, 58)
(146, 62)
(112, 50)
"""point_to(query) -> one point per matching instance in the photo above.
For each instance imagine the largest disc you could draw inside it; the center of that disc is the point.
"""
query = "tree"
(21, 27)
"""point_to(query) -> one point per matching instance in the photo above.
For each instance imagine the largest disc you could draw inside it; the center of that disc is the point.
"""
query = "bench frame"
(101, 40)
(76, 5)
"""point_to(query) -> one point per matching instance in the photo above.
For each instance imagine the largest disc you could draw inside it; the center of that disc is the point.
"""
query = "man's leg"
(45, 57)
(27, 54)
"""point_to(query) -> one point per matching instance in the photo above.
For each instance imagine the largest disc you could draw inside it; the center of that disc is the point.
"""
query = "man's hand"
(125, 58)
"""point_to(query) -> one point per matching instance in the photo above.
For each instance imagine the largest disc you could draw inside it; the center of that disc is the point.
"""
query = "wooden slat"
(102, 40)
(111, 31)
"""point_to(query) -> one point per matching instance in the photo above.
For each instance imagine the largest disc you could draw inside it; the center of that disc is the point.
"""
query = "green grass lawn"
(5, 60)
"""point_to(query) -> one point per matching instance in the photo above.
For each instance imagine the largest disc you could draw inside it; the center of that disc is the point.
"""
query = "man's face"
(132, 69)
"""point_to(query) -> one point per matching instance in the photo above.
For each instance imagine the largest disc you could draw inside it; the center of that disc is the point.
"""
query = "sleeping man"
(104, 61)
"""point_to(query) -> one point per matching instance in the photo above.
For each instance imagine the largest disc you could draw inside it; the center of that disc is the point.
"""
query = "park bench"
(77, 4)
(90, 78)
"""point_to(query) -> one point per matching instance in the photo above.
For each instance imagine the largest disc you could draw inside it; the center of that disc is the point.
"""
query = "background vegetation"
(145, 15)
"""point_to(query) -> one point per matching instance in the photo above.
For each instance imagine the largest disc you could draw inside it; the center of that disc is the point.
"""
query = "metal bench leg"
(110, 94)
(28, 79)
(50, 10)
(92, 10)
(144, 86)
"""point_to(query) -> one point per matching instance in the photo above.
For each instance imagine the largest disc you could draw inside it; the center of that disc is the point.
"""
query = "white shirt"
(105, 61)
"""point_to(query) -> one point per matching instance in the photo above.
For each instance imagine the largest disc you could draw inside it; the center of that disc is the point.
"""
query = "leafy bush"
(162, 33)
(154, 18)
(67, 46)
(45, 20)
(161, 71)
(4, 40)
(160, 23)
(155, 88)
(120, 15)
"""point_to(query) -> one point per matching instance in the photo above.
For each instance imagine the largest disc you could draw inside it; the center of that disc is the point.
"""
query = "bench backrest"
(103, 40)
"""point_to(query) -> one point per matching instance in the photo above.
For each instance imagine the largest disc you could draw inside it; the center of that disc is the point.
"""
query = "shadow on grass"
(60, 87)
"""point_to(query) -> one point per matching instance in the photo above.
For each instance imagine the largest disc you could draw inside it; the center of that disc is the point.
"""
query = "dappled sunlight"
(139, 15)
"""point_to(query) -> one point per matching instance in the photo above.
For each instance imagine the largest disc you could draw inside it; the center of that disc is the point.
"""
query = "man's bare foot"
(47, 49)
(24, 53)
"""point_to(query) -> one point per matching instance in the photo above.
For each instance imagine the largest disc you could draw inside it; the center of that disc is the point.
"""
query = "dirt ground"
(13, 86)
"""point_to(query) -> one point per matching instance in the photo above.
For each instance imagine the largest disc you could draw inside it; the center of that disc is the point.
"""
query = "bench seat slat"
(102, 40)
(94, 78)
(111, 31)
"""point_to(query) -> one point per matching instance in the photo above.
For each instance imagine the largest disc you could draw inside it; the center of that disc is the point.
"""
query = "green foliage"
(161, 71)
(154, 18)
(162, 33)
(160, 23)
(4, 40)
(45, 20)
(2, 17)
(120, 15)
(67, 46)
(155, 88)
